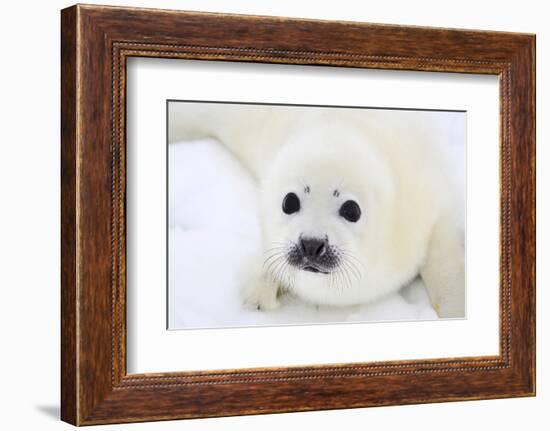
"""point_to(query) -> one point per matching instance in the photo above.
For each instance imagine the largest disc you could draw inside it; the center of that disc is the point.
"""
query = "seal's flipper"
(443, 270)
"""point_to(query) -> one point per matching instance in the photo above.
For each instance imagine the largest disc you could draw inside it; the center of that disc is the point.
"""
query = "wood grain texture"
(69, 366)
(96, 41)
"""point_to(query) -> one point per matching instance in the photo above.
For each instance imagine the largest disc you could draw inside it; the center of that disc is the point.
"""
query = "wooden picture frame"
(95, 43)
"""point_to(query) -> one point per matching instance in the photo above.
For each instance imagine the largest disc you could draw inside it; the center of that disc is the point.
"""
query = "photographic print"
(293, 214)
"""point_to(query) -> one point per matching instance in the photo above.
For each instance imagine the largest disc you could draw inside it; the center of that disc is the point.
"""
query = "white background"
(29, 228)
(152, 349)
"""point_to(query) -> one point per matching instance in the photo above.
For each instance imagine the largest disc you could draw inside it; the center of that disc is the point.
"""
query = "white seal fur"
(392, 166)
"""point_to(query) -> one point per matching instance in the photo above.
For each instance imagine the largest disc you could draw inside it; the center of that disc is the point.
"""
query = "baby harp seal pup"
(354, 204)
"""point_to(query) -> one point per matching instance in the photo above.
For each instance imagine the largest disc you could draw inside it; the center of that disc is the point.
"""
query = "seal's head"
(325, 202)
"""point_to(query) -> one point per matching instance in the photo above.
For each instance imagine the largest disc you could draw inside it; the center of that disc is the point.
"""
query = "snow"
(213, 230)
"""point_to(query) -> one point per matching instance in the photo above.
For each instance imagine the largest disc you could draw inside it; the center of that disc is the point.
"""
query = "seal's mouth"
(313, 269)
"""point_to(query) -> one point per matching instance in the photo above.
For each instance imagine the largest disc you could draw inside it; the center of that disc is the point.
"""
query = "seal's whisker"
(349, 254)
(290, 276)
(275, 253)
(275, 248)
(274, 264)
(271, 258)
(274, 261)
(339, 280)
(275, 274)
(281, 272)
(347, 278)
(353, 269)
(331, 279)
(352, 261)
(286, 274)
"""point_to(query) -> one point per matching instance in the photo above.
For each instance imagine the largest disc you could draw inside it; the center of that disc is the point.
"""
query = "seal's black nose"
(313, 248)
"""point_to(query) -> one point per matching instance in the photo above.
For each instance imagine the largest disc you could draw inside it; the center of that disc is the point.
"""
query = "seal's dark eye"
(291, 203)
(350, 211)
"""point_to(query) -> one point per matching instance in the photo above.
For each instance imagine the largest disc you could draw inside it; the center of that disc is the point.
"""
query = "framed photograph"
(317, 215)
